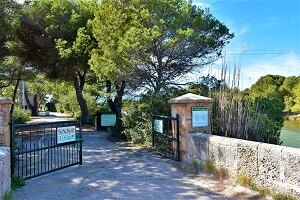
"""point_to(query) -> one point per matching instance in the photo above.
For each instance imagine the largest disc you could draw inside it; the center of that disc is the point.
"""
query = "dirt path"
(123, 171)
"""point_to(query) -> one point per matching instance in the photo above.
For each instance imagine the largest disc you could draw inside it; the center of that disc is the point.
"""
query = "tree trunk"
(116, 104)
(81, 101)
(14, 96)
(34, 107)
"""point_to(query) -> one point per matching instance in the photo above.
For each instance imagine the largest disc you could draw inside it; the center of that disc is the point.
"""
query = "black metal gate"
(165, 136)
(41, 148)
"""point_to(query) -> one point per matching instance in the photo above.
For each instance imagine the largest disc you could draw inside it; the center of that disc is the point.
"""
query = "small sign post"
(108, 119)
(199, 116)
(158, 125)
(66, 134)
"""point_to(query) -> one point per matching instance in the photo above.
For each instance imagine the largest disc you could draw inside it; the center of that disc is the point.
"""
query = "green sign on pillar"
(199, 117)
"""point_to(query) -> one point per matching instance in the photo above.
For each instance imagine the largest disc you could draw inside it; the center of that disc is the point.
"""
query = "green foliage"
(8, 196)
(208, 166)
(137, 122)
(20, 115)
(66, 99)
(280, 196)
(17, 182)
(196, 165)
(55, 37)
(296, 95)
(245, 180)
(156, 41)
(120, 35)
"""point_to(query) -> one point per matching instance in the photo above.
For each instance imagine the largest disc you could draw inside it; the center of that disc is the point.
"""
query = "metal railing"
(165, 136)
(35, 149)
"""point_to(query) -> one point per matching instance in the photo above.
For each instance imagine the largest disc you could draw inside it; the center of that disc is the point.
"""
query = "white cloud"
(284, 65)
(252, 70)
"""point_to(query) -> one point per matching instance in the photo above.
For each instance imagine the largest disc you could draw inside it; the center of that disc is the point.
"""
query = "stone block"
(223, 152)
(4, 171)
(198, 147)
(269, 157)
(247, 158)
(290, 166)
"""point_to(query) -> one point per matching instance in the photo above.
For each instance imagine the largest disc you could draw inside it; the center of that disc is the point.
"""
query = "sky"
(267, 36)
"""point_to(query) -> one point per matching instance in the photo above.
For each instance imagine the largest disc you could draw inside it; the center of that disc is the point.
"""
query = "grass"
(196, 165)
(17, 182)
(246, 181)
(221, 173)
(8, 196)
(280, 196)
(208, 166)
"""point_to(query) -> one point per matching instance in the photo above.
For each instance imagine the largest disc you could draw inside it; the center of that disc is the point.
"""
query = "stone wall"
(275, 166)
(4, 171)
(5, 150)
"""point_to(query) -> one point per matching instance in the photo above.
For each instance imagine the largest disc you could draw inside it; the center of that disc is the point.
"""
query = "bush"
(17, 182)
(21, 115)
(137, 123)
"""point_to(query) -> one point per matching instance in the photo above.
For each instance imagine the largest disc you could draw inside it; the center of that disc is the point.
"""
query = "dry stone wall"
(275, 166)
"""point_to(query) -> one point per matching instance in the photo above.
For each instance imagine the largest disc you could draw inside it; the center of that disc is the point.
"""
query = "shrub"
(21, 115)
(17, 182)
(137, 123)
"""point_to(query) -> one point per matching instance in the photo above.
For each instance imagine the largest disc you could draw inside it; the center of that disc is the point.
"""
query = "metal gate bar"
(36, 151)
(165, 136)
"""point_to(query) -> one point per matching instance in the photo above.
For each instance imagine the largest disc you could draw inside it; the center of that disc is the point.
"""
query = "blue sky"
(267, 36)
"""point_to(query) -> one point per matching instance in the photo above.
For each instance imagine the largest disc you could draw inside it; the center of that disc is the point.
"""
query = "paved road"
(113, 171)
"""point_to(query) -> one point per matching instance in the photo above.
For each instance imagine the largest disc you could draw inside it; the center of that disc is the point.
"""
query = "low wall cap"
(190, 97)
(5, 101)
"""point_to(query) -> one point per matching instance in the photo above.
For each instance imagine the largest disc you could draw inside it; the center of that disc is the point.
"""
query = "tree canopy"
(55, 38)
(155, 41)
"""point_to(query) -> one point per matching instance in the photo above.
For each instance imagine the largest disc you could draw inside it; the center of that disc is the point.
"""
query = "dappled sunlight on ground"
(119, 170)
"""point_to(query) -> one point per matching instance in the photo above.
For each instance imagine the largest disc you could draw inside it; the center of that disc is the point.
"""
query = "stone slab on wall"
(247, 158)
(275, 166)
(290, 162)
(223, 152)
(269, 163)
(4, 171)
(198, 147)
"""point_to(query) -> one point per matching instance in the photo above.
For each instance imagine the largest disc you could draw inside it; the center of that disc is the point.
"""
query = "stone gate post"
(5, 105)
(5, 180)
(194, 115)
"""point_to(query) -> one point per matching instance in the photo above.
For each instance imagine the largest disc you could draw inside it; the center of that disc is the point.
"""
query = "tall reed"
(236, 115)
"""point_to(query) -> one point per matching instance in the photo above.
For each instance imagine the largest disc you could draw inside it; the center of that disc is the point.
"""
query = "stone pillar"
(183, 106)
(5, 105)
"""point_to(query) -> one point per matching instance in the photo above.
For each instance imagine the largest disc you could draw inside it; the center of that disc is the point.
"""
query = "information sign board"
(199, 116)
(66, 134)
(158, 125)
(108, 119)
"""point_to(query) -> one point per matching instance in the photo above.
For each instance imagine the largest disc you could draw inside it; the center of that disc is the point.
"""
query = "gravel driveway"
(114, 170)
